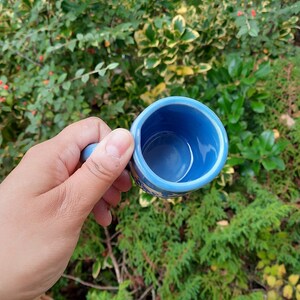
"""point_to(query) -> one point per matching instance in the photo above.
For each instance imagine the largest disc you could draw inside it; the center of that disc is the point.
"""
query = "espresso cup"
(180, 146)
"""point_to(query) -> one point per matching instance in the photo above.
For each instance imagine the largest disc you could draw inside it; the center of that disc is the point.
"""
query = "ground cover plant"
(238, 237)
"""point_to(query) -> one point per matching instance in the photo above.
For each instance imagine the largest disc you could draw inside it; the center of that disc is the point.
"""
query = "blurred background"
(238, 237)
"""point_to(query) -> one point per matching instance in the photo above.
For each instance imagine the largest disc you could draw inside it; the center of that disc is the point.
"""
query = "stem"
(146, 292)
(94, 286)
(78, 77)
(113, 259)
(25, 57)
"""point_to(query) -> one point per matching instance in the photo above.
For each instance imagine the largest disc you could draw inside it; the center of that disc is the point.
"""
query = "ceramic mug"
(180, 146)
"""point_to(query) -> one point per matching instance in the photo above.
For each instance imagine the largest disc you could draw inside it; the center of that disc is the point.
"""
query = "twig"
(115, 234)
(113, 259)
(153, 294)
(146, 292)
(25, 57)
(94, 286)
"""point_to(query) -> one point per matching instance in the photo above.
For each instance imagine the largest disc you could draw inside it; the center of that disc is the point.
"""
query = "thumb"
(89, 183)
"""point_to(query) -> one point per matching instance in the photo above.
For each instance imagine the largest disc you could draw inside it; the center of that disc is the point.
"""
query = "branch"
(94, 286)
(113, 259)
(146, 292)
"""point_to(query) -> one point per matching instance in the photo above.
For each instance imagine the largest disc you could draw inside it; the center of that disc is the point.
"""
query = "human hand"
(45, 200)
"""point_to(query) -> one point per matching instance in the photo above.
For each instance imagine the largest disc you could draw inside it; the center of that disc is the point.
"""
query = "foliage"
(63, 60)
(271, 22)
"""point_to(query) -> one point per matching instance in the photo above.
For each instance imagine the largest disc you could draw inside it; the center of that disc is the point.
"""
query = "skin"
(45, 200)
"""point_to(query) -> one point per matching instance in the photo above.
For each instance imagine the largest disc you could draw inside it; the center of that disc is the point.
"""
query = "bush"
(63, 60)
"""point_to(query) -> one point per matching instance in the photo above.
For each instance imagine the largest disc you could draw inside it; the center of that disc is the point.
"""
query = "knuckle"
(33, 151)
(100, 170)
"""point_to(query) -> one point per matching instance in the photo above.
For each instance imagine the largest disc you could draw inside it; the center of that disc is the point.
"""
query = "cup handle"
(88, 150)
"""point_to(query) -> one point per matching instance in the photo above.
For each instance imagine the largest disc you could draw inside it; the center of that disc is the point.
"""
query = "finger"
(112, 196)
(73, 139)
(123, 182)
(90, 182)
(52, 162)
(102, 213)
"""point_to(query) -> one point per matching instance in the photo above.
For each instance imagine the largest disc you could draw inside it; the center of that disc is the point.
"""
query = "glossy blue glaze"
(87, 151)
(180, 145)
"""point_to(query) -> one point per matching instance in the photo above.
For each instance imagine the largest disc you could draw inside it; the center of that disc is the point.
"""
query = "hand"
(47, 197)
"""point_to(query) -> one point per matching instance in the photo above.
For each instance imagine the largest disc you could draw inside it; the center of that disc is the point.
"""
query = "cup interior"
(179, 143)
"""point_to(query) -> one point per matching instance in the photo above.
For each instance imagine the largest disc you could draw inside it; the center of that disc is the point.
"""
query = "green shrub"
(62, 61)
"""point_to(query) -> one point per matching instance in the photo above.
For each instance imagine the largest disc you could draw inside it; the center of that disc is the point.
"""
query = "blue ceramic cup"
(180, 145)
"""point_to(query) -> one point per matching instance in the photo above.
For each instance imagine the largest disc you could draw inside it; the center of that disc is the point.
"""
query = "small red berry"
(41, 58)
(33, 112)
(2, 99)
(239, 13)
(46, 82)
(253, 13)
(1, 82)
(91, 51)
(50, 73)
(6, 87)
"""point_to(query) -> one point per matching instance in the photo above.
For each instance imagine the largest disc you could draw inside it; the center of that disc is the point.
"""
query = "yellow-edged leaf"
(293, 279)
(288, 292)
(281, 271)
(169, 61)
(271, 280)
(182, 10)
(189, 35)
(139, 36)
(178, 24)
(203, 67)
(272, 295)
(158, 89)
(147, 97)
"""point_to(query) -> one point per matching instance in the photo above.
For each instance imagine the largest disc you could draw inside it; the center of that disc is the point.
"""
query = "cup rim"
(178, 187)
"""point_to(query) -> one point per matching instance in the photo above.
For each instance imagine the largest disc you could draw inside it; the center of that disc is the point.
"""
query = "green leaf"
(234, 161)
(112, 66)
(294, 19)
(243, 30)
(79, 36)
(71, 45)
(79, 72)
(61, 78)
(96, 269)
(151, 62)
(249, 81)
(279, 163)
(269, 164)
(267, 140)
(178, 24)
(263, 71)
(254, 30)
(257, 106)
(85, 78)
(102, 72)
(234, 66)
(250, 154)
(172, 43)
(189, 35)
(279, 147)
(99, 66)
(66, 85)
(150, 32)
(203, 67)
